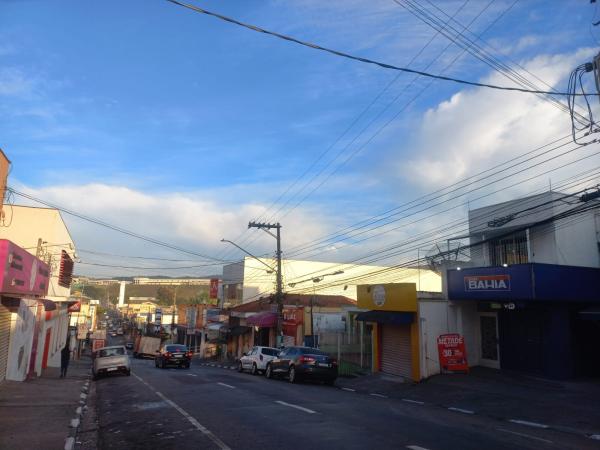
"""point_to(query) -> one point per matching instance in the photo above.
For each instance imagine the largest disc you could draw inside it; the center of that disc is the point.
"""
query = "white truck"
(146, 347)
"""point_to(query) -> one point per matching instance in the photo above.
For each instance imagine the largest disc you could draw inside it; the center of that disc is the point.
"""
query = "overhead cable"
(360, 59)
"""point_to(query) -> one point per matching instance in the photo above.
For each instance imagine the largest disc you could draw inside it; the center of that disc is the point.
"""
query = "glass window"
(311, 351)
(176, 348)
(509, 250)
(270, 351)
(111, 352)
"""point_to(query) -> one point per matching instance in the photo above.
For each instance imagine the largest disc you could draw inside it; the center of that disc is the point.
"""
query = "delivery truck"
(146, 347)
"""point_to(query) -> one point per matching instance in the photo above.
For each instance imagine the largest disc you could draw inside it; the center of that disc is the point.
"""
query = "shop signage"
(82, 330)
(214, 288)
(487, 283)
(388, 297)
(452, 353)
(98, 334)
(23, 273)
(75, 307)
(158, 316)
(98, 343)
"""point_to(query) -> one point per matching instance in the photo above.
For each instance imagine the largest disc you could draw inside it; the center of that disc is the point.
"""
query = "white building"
(172, 281)
(249, 279)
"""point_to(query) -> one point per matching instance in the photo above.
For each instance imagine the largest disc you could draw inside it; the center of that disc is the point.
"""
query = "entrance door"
(488, 337)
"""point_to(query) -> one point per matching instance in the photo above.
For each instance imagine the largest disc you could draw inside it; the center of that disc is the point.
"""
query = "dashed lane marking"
(218, 442)
(415, 447)
(226, 385)
(524, 435)
(596, 437)
(291, 405)
(461, 410)
(378, 395)
(192, 375)
(416, 402)
(528, 423)
(348, 389)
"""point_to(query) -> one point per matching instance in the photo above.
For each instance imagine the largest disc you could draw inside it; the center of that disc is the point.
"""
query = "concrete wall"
(21, 339)
(258, 280)
(577, 240)
(433, 322)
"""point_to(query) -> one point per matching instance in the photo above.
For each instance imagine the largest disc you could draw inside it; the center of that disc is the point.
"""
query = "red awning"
(264, 320)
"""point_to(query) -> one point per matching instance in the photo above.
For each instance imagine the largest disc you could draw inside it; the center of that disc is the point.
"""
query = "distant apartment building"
(172, 281)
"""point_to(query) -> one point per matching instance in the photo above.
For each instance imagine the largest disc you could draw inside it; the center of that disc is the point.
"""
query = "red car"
(173, 355)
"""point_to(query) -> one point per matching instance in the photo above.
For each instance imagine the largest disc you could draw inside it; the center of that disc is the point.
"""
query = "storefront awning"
(387, 317)
(215, 326)
(592, 313)
(239, 330)
(264, 320)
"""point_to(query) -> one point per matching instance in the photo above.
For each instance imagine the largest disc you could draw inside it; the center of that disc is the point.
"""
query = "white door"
(488, 340)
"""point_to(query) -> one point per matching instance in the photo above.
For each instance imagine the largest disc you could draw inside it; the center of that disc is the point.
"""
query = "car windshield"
(176, 348)
(270, 351)
(118, 351)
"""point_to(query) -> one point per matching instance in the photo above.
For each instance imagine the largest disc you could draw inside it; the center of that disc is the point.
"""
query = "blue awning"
(387, 317)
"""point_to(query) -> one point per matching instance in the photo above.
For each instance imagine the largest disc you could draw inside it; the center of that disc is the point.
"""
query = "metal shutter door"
(395, 350)
(4, 340)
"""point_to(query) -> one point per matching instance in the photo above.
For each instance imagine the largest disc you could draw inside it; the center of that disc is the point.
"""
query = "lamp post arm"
(249, 254)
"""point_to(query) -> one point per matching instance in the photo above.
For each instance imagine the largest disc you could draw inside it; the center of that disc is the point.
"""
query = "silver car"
(111, 360)
(256, 359)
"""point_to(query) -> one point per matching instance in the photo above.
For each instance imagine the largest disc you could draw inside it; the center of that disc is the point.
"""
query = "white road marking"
(416, 402)
(415, 447)
(524, 435)
(379, 395)
(348, 389)
(596, 437)
(226, 385)
(529, 424)
(191, 375)
(218, 442)
(461, 410)
(301, 408)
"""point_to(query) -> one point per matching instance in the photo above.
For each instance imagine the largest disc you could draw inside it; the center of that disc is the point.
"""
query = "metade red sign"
(214, 288)
(452, 353)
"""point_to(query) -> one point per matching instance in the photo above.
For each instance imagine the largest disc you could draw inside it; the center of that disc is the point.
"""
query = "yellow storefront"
(392, 309)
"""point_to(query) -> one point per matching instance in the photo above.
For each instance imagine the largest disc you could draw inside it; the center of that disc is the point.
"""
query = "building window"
(509, 250)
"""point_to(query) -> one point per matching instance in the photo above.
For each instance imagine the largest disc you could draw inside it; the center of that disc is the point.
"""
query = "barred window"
(509, 250)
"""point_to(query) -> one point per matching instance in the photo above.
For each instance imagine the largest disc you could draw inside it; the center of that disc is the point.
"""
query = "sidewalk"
(37, 414)
(571, 406)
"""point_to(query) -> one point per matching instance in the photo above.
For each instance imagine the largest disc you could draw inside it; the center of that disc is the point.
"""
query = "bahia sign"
(487, 283)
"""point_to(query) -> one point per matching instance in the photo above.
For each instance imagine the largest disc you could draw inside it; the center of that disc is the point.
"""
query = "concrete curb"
(75, 424)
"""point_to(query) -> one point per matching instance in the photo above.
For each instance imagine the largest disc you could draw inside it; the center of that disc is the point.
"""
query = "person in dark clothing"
(65, 356)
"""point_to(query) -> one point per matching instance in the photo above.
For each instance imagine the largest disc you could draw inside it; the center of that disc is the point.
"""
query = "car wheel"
(240, 367)
(156, 363)
(269, 371)
(128, 373)
(163, 365)
(254, 369)
(292, 377)
(330, 382)
(94, 377)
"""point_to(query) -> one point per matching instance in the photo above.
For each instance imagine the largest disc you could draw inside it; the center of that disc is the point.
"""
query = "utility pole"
(279, 294)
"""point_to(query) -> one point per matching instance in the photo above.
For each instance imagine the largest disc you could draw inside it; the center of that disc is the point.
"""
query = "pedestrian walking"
(65, 356)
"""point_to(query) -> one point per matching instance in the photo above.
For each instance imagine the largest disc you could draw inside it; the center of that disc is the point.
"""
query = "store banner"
(452, 353)
(22, 272)
(98, 343)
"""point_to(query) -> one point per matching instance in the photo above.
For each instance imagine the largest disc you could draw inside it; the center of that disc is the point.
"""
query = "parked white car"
(256, 359)
(111, 360)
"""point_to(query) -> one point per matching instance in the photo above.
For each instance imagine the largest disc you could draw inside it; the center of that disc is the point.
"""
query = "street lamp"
(312, 299)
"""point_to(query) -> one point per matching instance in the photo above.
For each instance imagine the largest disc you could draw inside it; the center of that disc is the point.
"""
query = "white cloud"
(477, 128)
(194, 221)
(13, 82)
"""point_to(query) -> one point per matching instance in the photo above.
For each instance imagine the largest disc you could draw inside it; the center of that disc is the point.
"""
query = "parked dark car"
(173, 355)
(298, 363)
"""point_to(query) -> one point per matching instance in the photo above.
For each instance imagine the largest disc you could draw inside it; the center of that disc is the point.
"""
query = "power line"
(93, 252)
(360, 59)
(116, 266)
(112, 227)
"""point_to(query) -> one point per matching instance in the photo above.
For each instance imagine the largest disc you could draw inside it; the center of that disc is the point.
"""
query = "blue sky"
(105, 105)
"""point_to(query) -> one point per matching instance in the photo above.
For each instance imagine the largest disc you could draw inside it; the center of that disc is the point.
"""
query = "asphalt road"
(211, 407)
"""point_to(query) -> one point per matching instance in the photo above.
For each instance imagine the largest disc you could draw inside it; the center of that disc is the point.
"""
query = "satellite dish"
(443, 252)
